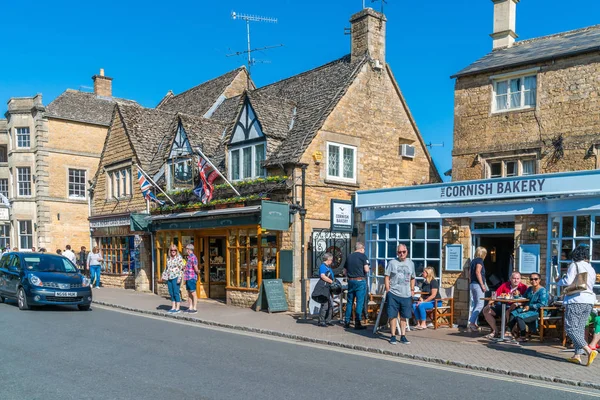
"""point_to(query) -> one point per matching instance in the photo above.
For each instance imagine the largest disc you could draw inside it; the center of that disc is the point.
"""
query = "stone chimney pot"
(102, 84)
(368, 35)
(505, 16)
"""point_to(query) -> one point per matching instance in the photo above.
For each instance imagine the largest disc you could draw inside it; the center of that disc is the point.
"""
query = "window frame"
(3, 153)
(23, 185)
(20, 135)
(28, 234)
(5, 236)
(341, 148)
(114, 183)
(239, 149)
(4, 186)
(503, 166)
(497, 79)
(70, 183)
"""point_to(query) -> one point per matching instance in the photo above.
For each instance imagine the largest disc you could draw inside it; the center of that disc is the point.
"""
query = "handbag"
(579, 284)
(321, 293)
(165, 275)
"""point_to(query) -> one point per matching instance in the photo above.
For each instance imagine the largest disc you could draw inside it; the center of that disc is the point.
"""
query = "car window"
(47, 263)
(15, 262)
(4, 261)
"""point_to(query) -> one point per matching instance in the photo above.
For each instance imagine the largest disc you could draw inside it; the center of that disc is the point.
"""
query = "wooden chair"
(554, 319)
(445, 312)
(375, 295)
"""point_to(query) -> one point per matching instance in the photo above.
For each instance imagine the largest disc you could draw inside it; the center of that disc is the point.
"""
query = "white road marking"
(399, 360)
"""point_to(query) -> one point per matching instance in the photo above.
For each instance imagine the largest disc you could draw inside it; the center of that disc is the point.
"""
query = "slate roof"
(84, 107)
(199, 99)
(150, 132)
(536, 50)
(314, 94)
(227, 110)
(206, 134)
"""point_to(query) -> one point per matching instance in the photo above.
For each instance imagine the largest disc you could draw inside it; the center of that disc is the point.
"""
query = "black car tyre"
(83, 307)
(2, 299)
(22, 300)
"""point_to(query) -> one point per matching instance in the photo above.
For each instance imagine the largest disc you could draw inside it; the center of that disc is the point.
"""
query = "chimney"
(368, 35)
(102, 84)
(505, 15)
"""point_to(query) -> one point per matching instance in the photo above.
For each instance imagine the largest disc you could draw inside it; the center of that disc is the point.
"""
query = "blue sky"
(149, 47)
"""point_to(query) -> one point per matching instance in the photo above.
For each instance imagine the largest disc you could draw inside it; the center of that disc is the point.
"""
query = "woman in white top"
(578, 306)
(93, 263)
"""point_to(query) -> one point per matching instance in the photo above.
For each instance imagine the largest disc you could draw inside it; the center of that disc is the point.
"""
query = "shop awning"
(206, 219)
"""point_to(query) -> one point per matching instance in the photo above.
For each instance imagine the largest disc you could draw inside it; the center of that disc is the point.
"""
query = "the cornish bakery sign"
(559, 184)
(528, 186)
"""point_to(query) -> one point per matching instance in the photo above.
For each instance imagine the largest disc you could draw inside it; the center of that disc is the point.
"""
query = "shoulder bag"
(579, 283)
(322, 291)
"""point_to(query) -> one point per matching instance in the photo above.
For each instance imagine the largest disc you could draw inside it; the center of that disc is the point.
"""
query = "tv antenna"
(430, 145)
(249, 51)
(383, 2)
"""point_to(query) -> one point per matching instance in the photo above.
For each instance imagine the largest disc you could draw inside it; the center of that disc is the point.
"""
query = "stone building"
(526, 138)
(329, 123)
(50, 154)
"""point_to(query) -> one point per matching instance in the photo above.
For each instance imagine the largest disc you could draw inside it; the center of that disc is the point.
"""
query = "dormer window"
(514, 91)
(246, 162)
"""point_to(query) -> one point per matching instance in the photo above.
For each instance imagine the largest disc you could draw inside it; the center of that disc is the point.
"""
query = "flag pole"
(217, 171)
(154, 183)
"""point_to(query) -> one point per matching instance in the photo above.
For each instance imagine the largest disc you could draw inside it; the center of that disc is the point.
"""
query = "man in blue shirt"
(326, 274)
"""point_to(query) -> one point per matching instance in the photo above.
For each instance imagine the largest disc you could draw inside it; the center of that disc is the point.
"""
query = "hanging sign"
(342, 215)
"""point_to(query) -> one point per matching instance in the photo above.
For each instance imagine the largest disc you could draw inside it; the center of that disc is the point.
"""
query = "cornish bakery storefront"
(527, 224)
(236, 248)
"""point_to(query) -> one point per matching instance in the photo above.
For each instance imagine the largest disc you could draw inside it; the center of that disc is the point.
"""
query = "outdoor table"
(504, 302)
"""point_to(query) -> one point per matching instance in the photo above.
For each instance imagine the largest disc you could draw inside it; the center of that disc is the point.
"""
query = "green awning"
(139, 222)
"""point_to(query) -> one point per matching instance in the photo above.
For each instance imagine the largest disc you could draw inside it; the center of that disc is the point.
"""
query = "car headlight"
(85, 282)
(35, 281)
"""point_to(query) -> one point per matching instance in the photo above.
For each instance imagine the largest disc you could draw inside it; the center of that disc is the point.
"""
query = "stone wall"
(568, 104)
(522, 236)
(117, 281)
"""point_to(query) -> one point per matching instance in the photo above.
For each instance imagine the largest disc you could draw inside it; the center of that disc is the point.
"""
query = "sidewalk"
(451, 346)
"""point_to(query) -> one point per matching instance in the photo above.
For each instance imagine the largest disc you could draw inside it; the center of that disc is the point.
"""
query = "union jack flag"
(204, 190)
(146, 189)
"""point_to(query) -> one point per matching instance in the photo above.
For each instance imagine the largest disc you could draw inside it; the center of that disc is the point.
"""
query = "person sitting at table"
(526, 316)
(515, 288)
(430, 288)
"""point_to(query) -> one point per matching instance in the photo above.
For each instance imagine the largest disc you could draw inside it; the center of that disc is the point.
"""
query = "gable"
(181, 144)
(247, 127)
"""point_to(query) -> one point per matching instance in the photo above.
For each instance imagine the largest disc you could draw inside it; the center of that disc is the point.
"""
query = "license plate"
(65, 294)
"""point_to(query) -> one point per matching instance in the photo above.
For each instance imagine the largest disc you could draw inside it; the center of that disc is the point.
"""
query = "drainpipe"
(302, 242)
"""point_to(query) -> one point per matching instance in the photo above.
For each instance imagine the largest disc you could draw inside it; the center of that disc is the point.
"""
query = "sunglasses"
(402, 252)
(173, 251)
(535, 279)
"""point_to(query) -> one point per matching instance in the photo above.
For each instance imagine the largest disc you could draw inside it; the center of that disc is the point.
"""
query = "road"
(59, 353)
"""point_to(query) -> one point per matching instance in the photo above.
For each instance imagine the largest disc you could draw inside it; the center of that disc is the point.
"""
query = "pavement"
(448, 346)
(106, 354)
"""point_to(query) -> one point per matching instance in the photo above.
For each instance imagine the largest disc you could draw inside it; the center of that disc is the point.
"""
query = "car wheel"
(83, 307)
(2, 299)
(22, 300)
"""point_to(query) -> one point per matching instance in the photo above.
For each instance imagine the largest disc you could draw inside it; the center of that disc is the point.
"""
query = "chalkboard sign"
(272, 296)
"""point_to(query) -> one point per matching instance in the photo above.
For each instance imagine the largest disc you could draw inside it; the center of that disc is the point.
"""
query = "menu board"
(454, 257)
(529, 258)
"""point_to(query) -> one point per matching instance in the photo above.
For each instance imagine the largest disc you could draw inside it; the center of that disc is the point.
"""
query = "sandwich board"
(382, 317)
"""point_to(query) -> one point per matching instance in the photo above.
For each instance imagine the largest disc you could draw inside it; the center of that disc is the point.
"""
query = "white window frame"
(26, 184)
(78, 187)
(253, 173)
(496, 79)
(5, 236)
(29, 233)
(341, 163)
(116, 188)
(504, 161)
(20, 133)
(4, 186)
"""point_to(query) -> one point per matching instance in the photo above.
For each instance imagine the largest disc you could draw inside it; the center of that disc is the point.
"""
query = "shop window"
(516, 93)
(252, 257)
(5, 236)
(488, 225)
(509, 168)
(115, 251)
(422, 239)
(341, 162)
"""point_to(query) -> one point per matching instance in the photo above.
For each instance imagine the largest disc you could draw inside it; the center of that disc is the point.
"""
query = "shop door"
(499, 262)
(202, 288)
(216, 267)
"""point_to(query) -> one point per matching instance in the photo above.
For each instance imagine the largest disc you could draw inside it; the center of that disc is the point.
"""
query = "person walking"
(579, 303)
(477, 287)
(326, 275)
(94, 262)
(70, 255)
(356, 269)
(400, 288)
(173, 274)
(81, 258)
(191, 278)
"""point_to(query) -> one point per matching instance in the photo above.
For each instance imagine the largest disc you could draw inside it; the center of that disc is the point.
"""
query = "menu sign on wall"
(454, 257)
(529, 258)
(342, 215)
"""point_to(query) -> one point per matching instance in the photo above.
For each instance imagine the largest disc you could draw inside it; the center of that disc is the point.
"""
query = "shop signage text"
(4, 214)
(107, 222)
(341, 216)
(532, 186)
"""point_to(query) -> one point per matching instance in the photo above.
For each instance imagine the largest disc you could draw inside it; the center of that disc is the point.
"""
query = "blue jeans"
(95, 275)
(174, 290)
(356, 289)
(421, 311)
(476, 303)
